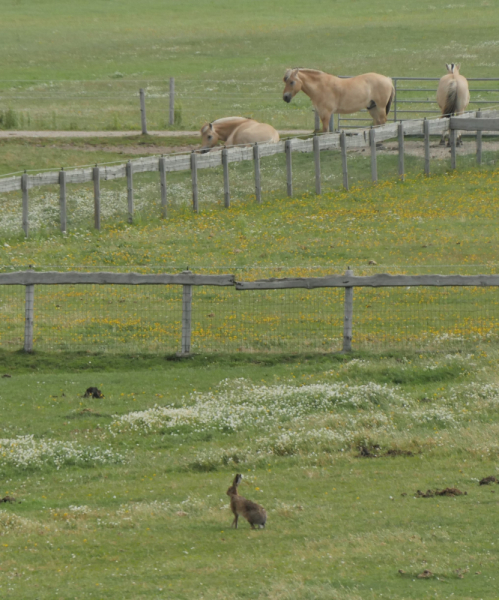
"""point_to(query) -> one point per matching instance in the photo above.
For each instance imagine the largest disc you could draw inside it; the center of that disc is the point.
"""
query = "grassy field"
(123, 500)
(80, 67)
(442, 224)
(124, 496)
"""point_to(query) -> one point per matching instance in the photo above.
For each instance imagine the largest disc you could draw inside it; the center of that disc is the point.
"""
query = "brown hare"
(251, 511)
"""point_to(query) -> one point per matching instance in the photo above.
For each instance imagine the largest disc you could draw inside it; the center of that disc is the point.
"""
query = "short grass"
(340, 524)
(442, 224)
(35, 154)
(74, 67)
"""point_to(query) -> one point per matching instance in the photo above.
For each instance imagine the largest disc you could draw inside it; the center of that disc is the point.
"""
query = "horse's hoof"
(442, 142)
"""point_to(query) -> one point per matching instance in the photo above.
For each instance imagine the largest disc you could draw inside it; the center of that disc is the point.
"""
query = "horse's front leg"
(325, 122)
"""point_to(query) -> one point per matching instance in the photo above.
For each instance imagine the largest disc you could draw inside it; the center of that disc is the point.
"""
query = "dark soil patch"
(375, 451)
(93, 392)
(444, 492)
(487, 480)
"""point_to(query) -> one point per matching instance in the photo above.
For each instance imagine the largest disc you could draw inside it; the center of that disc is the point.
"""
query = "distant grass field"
(72, 66)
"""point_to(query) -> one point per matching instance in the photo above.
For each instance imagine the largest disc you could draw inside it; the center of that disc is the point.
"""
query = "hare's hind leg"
(234, 522)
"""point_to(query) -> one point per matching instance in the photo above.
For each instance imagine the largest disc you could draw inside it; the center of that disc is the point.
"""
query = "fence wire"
(147, 319)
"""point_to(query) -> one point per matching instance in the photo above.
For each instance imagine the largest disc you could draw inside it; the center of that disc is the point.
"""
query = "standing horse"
(236, 130)
(330, 94)
(453, 95)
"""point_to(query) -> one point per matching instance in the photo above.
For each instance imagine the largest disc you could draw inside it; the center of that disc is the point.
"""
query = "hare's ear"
(237, 479)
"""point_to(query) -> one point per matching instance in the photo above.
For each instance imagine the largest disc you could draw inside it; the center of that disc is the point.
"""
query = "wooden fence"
(193, 162)
(187, 279)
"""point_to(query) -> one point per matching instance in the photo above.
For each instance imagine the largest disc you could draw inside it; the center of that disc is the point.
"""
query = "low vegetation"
(127, 492)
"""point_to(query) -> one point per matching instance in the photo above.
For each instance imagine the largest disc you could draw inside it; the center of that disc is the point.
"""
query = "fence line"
(398, 106)
(355, 139)
(188, 280)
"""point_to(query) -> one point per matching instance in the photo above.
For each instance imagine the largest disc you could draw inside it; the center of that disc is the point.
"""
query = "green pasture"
(71, 66)
(335, 448)
(442, 224)
(123, 497)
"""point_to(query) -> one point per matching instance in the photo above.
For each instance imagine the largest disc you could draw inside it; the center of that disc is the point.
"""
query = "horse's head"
(209, 137)
(293, 84)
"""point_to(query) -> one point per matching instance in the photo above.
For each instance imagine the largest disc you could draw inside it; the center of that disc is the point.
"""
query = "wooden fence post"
(143, 120)
(453, 138)
(29, 311)
(401, 150)
(478, 142)
(258, 184)
(374, 164)
(289, 168)
(129, 180)
(317, 163)
(348, 316)
(96, 178)
(331, 123)
(426, 130)
(344, 164)
(225, 167)
(172, 101)
(194, 177)
(24, 188)
(62, 199)
(164, 191)
(186, 319)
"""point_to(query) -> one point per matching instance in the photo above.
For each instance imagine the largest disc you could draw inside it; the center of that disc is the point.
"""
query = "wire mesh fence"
(147, 319)
(44, 201)
(113, 105)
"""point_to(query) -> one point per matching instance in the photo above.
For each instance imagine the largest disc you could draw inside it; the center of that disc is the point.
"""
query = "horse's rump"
(450, 106)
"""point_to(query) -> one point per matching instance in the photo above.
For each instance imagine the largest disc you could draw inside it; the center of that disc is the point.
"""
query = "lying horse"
(236, 130)
(453, 95)
(330, 94)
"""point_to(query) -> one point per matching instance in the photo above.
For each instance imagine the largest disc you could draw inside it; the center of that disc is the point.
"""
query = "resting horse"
(330, 94)
(453, 95)
(236, 130)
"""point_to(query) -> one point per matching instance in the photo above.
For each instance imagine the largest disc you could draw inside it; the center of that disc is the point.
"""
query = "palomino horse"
(236, 130)
(453, 95)
(330, 94)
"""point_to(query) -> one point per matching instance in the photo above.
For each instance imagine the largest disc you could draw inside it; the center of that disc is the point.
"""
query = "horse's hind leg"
(378, 115)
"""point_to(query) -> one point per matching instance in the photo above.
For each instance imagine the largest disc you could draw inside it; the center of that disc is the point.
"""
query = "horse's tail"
(390, 100)
(450, 106)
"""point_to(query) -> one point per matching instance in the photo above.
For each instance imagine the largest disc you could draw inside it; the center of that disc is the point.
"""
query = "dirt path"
(412, 147)
(116, 134)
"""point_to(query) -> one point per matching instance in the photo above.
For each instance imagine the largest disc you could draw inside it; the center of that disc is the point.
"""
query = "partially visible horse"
(331, 95)
(453, 95)
(235, 131)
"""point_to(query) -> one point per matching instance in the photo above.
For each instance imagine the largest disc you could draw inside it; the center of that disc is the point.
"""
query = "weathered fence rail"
(189, 280)
(343, 141)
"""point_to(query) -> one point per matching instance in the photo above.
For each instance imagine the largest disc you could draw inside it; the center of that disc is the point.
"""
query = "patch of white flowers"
(26, 452)
(240, 404)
